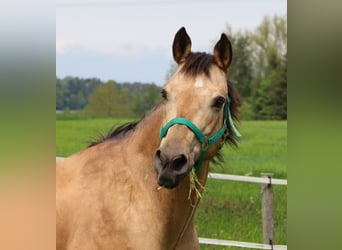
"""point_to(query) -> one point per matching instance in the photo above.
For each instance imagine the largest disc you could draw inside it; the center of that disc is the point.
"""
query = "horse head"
(197, 118)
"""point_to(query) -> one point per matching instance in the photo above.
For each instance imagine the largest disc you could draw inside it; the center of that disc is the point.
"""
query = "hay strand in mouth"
(195, 185)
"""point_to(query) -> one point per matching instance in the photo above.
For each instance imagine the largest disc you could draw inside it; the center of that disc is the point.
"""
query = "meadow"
(228, 210)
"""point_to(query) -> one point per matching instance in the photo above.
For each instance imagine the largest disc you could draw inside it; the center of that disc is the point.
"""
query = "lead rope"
(186, 224)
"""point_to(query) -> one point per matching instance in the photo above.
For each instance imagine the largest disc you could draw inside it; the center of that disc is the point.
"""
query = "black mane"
(198, 63)
(115, 133)
(118, 132)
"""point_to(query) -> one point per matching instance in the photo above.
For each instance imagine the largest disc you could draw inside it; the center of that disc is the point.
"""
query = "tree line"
(258, 71)
(97, 98)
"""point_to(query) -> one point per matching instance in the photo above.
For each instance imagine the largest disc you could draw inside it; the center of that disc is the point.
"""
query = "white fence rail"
(267, 199)
(263, 180)
(240, 244)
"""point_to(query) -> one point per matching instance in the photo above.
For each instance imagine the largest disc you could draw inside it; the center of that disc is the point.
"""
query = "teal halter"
(204, 140)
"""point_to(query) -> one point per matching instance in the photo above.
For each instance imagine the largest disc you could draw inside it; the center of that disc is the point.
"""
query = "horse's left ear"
(223, 52)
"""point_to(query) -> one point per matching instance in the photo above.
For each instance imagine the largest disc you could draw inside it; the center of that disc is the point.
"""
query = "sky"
(131, 41)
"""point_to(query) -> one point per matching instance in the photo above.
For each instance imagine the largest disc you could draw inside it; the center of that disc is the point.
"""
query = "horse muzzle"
(171, 167)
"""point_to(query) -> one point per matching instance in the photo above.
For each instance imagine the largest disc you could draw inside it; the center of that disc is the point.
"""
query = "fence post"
(267, 210)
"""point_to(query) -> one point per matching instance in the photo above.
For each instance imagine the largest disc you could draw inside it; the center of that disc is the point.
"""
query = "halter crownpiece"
(204, 140)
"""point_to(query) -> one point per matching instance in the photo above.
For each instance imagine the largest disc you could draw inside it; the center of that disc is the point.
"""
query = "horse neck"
(145, 138)
(174, 209)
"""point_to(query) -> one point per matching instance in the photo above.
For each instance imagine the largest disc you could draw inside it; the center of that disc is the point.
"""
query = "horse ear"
(181, 47)
(223, 52)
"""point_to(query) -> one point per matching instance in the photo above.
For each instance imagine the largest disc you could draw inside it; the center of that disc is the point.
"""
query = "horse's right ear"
(181, 47)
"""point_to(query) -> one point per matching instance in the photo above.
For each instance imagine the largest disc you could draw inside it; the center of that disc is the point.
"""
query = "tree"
(73, 92)
(269, 95)
(109, 100)
(123, 107)
(121, 100)
(59, 95)
(146, 100)
(241, 70)
(259, 68)
(104, 100)
(270, 43)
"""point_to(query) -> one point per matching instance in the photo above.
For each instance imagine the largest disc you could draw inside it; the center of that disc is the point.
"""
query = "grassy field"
(228, 210)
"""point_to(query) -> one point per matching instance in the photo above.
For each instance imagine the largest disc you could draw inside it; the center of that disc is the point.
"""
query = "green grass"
(229, 210)
(73, 133)
(262, 148)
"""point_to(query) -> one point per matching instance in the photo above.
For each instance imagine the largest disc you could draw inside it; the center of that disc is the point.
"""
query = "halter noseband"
(204, 140)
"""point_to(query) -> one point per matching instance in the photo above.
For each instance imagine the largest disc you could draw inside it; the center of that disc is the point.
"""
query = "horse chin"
(171, 170)
(170, 180)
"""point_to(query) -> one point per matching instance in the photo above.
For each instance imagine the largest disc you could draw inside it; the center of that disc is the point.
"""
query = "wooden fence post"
(267, 210)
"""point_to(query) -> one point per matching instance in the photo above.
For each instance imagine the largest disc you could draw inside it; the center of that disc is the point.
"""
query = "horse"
(130, 189)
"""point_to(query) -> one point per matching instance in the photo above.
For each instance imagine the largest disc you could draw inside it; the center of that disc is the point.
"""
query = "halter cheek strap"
(204, 140)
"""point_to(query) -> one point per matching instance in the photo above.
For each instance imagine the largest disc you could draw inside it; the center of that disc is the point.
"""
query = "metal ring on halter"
(205, 144)
(225, 135)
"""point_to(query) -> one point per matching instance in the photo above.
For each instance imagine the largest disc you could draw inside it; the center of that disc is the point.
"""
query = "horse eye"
(218, 102)
(164, 94)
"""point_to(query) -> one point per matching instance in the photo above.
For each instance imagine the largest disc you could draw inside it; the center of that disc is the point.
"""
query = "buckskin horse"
(107, 197)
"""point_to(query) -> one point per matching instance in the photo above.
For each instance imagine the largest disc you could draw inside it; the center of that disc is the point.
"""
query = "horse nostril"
(159, 159)
(158, 154)
(178, 162)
